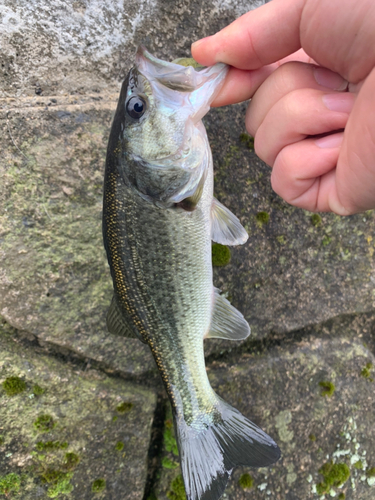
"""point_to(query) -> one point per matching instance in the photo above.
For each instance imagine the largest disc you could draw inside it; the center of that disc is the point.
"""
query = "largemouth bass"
(159, 219)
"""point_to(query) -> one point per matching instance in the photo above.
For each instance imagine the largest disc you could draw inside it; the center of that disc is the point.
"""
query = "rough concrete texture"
(75, 411)
(86, 46)
(305, 283)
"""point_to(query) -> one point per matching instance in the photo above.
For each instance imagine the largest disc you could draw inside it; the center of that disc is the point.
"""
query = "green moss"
(341, 496)
(312, 437)
(37, 390)
(247, 140)
(53, 476)
(359, 465)
(124, 407)
(328, 388)
(316, 220)
(262, 218)
(366, 371)
(10, 482)
(167, 463)
(370, 472)
(281, 239)
(13, 386)
(119, 446)
(152, 496)
(71, 461)
(220, 255)
(246, 481)
(188, 61)
(115, 418)
(326, 240)
(177, 489)
(51, 445)
(170, 442)
(98, 485)
(2, 440)
(322, 488)
(334, 475)
(44, 423)
(63, 487)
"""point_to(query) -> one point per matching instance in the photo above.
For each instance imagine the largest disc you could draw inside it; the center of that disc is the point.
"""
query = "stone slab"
(84, 413)
(279, 390)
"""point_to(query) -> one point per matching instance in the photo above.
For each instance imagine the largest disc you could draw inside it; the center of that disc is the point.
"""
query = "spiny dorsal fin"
(226, 228)
(118, 324)
(227, 322)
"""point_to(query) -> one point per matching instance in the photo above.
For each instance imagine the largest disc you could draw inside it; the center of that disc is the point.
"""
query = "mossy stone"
(44, 423)
(124, 407)
(328, 388)
(220, 255)
(177, 489)
(71, 461)
(246, 481)
(316, 220)
(247, 140)
(334, 475)
(9, 483)
(98, 485)
(167, 463)
(13, 386)
(119, 446)
(262, 218)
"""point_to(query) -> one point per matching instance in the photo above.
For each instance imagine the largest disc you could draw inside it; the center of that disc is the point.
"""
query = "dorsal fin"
(119, 324)
(226, 228)
(227, 322)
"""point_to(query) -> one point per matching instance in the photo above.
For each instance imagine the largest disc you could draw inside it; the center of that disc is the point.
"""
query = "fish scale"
(159, 217)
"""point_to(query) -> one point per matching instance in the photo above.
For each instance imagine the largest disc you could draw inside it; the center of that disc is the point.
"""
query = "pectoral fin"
(119, 324)
(226, 228)
(227, 322)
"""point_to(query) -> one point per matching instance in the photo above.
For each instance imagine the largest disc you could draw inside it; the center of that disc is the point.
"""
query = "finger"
(250, 41)
(299, 114)
(240, 85)
(304, 173)
(356, 163)
(287, 78)
(281, 27)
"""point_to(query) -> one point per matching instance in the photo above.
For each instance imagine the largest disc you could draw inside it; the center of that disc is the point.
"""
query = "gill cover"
(163, 144)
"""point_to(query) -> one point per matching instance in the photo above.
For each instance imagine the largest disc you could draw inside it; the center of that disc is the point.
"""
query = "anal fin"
(119, 324)
(226, 228)
(227, 322)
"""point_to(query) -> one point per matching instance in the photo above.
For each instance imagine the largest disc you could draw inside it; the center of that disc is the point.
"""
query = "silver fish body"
(159, 218)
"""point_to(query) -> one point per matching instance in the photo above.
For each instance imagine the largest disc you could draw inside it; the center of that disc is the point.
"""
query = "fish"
(159, 220)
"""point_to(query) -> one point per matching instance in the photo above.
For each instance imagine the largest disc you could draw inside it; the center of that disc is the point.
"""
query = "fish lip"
(153, 68)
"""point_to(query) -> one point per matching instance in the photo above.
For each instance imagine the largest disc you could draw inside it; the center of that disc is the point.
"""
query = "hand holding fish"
(309, 67)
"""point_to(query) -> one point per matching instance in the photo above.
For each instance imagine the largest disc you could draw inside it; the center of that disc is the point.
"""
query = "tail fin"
(209, 454)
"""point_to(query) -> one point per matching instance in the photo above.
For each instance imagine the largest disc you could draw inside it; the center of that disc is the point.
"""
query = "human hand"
(310, 67)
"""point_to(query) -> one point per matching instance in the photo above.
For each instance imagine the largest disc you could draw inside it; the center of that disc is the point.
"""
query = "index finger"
(257, 38)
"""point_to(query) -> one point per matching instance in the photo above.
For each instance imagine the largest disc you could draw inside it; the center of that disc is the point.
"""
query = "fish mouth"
(201, 83)
(191, 88)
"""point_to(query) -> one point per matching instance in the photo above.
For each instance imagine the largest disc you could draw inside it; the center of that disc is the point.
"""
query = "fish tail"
(208, 453)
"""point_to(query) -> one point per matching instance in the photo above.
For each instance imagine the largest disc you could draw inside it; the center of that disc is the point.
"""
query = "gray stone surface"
(83, 406)
(278, 388)
(86, 46)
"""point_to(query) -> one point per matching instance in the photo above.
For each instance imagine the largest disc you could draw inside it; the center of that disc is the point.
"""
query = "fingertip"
(202, 51)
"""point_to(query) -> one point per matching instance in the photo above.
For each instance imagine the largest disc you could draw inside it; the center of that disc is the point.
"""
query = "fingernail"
(329, 79)
(330, 141)
(198, 42)
(343, 103)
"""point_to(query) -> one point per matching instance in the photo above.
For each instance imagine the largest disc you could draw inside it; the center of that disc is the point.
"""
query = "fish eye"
(136, 107)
